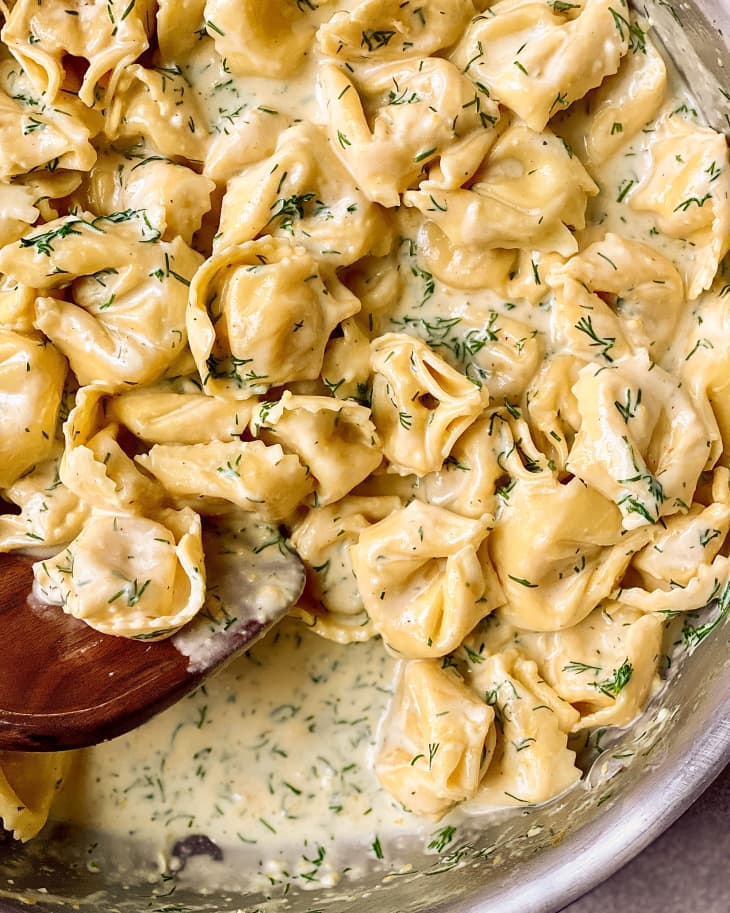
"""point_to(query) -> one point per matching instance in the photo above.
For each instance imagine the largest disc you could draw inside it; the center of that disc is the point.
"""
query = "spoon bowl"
(65, 685)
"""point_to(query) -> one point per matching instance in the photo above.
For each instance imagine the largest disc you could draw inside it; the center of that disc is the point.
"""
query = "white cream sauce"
(274, 753)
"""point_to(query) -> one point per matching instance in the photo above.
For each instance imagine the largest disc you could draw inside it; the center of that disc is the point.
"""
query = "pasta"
(436, 294)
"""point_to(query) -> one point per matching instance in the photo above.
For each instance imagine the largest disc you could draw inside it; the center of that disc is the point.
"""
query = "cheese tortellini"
(422, 579)
(532, 761)
(438, 742)
(260, 315)
(125, 322)
(148, 575)
(28, 784)
(687, 190)
(108, 35)
(420, 404)
(32, 375)
(529, 191)
(558, 550)
(420, 111)
(538, 58)
(431, 293)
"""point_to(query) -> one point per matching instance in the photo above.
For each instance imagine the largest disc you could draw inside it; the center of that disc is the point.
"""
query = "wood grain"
(64, 685)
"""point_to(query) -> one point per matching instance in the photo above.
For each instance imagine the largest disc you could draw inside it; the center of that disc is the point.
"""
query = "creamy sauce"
(273, 754)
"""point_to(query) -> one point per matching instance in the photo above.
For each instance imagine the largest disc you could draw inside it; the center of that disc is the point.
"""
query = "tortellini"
(467, 482)
(324, 537)
(529, 192)
(531, 762)
(403, 116)
(558, 550)
(538, 58)
(28, 784)
(604, 120)
(552, 408)
(687, 189)
(326, 434)
(17, 205)
(421, 405)
(248, 474)
(109, 35)
(173, 197)
(641, 443)
(125, 323)
(34, 136)
(148, 575)
(32, 375)
(302, 192)
(705, 367)
(255, 36)
(439, 740)
(401, 28)
(260, 315)
(422, 579)
(604, 666)
(178, 26)
(160, 106)
(686, 541)
(163, 417)
(643, 287)
(95, 467)
(50, 514)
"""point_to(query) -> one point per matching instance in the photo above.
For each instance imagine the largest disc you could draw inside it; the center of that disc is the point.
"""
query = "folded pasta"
(422, 579)
(260, 315)
(438, 742)
(434, 294)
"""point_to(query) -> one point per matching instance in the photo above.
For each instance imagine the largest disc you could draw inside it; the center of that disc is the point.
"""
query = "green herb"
(628, 409)
(560, 6)
(685, 204)
(523, 582)
(693, 635)
(624, 189)
(430, 284)
(230, 470)
(578, 667)
(402, 98)
(373, 39)
(632, 505)
(230, 368)
(43, 242)
(441, 838)
(33, 124)
(427, 153)
(287, 209)
(629, 31)
(618, 680)
(433, 748)
(522, 744)
(131, 591)
(585, 325)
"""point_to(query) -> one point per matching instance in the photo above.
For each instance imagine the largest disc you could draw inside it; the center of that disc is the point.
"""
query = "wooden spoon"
(65, 685)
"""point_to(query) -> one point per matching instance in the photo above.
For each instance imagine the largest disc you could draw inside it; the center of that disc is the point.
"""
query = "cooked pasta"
(438, 290)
